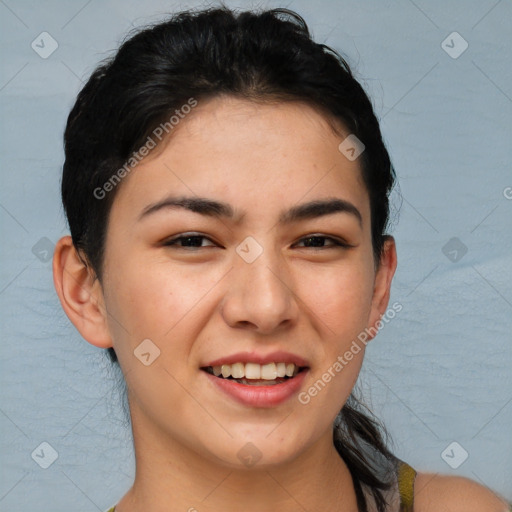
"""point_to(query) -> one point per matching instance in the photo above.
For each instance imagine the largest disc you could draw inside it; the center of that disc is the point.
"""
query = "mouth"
(254, 374)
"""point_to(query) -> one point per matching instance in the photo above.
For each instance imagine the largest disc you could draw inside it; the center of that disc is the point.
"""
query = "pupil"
(317, 241)
(196, 239)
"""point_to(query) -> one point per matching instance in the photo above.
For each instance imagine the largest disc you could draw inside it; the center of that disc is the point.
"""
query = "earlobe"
(383, 278)
(80, 294)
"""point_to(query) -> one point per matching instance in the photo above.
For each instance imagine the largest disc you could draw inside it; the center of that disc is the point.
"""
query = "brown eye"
(191, 241)
(319, 242)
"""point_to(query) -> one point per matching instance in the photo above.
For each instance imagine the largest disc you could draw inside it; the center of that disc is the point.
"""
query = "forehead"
(250, 155)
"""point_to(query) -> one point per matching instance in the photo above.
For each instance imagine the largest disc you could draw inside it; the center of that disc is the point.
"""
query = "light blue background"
(439, 372)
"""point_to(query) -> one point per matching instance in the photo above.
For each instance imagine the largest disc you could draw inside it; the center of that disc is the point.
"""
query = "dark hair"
(267, 56)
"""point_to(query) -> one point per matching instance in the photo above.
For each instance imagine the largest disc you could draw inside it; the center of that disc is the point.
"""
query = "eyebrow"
(319, 208)
(212, 208)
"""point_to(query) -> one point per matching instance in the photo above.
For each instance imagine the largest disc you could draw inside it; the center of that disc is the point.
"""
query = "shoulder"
(434, 492)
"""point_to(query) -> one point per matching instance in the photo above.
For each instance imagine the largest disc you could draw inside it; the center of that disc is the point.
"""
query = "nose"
(260, 295)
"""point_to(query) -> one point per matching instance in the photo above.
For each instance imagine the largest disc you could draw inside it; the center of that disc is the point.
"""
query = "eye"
(319, 242)
(190, 241)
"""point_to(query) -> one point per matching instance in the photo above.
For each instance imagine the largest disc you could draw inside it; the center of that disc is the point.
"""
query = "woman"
(226, 186)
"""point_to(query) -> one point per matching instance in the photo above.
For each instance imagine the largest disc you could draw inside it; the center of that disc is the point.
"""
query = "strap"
(406, 476)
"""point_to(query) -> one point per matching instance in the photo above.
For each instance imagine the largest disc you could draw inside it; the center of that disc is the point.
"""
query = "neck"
(173, 477)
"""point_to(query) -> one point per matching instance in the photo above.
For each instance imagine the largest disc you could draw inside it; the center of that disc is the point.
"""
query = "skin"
(200, 304)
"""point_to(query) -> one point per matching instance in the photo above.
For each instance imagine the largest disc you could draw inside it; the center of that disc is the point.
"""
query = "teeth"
(269, 371)
(238, 370)
(252, 371)
(290, 368)
(255, 371)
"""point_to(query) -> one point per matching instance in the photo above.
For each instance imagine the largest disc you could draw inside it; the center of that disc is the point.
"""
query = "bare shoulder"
(434, 492)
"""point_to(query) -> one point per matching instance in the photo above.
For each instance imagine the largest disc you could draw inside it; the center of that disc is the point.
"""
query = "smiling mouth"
(253, 374)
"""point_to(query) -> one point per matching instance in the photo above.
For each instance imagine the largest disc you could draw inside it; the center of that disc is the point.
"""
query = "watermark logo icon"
(45, 455)
(249, 454)
(43, 249)
(44, 45)
(454, 250)
(249, 249)
(351, 147)
(146, 352)
(454, 45)
(454, 455)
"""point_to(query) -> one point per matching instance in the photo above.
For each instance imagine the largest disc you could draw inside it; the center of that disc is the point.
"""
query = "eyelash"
(335, 242)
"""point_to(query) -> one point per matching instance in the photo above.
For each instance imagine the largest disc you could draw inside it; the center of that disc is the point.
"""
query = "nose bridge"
(260, 291)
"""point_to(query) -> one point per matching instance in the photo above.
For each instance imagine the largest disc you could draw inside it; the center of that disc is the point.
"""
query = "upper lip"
(254, 357)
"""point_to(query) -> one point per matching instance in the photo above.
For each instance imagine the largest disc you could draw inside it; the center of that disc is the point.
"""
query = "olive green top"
(406, 476)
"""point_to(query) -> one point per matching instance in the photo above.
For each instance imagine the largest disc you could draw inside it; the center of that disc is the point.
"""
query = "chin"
(259, 451)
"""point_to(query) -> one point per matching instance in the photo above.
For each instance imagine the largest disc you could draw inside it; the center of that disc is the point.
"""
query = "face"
(246, 239)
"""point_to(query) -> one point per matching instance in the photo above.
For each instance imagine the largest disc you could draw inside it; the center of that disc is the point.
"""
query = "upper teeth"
(256, 371)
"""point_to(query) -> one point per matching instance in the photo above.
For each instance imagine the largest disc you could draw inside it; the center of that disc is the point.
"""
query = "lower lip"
(259, 396)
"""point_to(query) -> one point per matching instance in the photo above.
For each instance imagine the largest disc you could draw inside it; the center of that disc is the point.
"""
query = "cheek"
(340, 298)
(157, 300)
(166, 306)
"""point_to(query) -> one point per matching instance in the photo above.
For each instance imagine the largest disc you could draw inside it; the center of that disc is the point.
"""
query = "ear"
(80, 294)
(382, 287)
